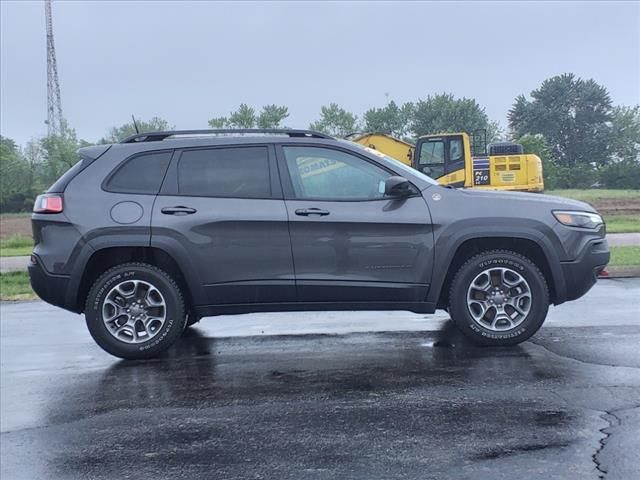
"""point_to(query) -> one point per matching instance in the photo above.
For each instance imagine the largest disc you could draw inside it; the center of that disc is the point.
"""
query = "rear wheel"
(499, 298)
(135, 311)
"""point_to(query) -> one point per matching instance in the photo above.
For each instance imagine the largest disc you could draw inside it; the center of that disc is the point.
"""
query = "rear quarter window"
(141, 174)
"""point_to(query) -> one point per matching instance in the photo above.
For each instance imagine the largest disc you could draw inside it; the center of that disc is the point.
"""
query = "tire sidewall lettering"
(520, 330)
(501, 262)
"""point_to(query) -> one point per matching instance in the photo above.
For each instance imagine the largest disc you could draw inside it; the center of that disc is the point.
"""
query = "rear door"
(221, 211)
(350, 242)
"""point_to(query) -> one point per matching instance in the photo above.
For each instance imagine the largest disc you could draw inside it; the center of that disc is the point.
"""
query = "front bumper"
(50, 288)
(581, 274)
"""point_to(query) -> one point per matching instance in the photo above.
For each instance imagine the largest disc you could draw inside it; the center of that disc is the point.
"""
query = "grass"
(625, 256)
(622, 223)
(595, 194)
(15, 286)
(16, 245)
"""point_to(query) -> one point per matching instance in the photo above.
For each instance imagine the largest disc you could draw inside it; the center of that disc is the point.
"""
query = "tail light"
(48, 203)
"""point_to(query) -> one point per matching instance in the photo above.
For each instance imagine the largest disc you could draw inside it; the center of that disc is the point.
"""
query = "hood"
(550, 201)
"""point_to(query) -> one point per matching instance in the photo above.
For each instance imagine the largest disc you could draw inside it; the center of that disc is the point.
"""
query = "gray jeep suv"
(149, 235)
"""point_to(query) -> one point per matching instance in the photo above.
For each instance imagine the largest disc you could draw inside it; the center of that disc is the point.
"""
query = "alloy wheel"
(134, 311)
(499, 299)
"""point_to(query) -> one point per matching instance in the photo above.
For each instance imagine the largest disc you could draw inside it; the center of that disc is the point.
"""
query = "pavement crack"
(613, 421)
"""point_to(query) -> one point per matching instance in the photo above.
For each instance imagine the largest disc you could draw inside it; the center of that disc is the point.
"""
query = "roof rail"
(158, 136)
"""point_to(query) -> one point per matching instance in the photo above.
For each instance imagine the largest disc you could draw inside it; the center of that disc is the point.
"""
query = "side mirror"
(398, 187)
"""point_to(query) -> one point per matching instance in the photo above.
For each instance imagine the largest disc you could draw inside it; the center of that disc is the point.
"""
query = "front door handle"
(305, 212)
(179, 210)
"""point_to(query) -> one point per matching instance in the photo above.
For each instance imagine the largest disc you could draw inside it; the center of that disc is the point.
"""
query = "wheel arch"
(527, 246)
(105, 258)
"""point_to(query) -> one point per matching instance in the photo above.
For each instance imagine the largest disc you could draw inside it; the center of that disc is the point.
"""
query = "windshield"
(396, 163)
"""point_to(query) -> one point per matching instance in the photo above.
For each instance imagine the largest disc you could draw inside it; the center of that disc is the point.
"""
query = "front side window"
(324, 173)
(239, 172)
(140, 174)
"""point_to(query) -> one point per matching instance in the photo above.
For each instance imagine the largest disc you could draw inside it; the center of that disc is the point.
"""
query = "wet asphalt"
(335, 395)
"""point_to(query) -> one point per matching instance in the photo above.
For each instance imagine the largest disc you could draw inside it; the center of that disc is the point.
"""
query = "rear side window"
(239, 172)
(140, 174)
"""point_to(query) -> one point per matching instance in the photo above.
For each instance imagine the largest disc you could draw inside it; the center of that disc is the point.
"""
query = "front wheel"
(135, 311)
(499, 298)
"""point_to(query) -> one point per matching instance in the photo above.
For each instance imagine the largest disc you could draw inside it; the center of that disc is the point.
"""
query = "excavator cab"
(443, 157)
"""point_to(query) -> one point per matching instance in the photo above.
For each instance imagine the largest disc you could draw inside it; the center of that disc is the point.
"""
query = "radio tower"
(54, 106)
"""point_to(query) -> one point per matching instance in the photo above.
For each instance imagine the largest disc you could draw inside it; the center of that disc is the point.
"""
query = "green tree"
(244, 117)
(623, 171)
(621, 174)
(117, 134)
(625, 134)
(495, 132)
(537, 145)
(218, 122)
(34, 156)
(60, 153)
(271, 116)
(446, 114)
(573, 114)
(335, 121)
(15, 176)
(390, 119)
(554, 175)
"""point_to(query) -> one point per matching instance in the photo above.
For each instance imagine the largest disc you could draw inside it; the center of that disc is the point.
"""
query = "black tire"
(166, 335)
(476, 330)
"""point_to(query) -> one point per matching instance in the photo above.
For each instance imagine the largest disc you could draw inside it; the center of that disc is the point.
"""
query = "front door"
(221, 210)
(351, 243)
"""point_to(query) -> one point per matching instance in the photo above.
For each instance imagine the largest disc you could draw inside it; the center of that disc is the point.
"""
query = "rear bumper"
(50, 288)
(581, 274)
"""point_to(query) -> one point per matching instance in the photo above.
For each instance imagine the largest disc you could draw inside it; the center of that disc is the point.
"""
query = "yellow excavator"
(463, 160)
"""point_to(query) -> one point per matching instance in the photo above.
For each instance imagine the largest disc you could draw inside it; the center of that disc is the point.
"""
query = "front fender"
(451, 237)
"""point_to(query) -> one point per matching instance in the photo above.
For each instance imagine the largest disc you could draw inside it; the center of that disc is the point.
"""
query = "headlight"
(579, 219)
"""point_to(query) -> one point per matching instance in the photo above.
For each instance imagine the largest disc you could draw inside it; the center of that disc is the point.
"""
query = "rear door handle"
(305, 212)
(180, 210)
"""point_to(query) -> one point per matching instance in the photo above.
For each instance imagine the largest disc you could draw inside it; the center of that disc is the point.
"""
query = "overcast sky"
(190, 61)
